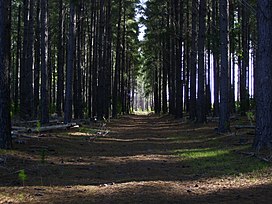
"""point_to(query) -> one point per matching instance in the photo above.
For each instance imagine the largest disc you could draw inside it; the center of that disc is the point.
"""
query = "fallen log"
(53, 127)
(237, 127)
(18, 130)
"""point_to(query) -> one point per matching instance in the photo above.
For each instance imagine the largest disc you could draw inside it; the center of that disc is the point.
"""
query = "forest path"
(143, 159)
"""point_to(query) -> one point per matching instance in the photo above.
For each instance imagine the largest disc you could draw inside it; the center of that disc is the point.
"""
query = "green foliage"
(251, 117)
(43, 155)
(38, 126)
(22, 176)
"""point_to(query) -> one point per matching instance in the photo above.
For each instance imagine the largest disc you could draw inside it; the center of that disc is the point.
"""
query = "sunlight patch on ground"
(78, 134)
(201, 153)
(142, 112)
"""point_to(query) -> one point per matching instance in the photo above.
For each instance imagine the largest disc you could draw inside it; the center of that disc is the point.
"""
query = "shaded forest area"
(73, 72)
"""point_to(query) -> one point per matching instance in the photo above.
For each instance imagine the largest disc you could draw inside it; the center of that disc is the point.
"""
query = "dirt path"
(135, 163)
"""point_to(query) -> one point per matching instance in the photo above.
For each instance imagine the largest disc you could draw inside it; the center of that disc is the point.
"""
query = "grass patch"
(219, 162)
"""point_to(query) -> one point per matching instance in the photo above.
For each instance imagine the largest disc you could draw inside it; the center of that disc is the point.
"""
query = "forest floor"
(141, 159)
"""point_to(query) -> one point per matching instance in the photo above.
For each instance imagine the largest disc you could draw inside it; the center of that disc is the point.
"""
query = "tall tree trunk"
(263, 80)
(60, 62)
(108, 52)
(201, 105)
(5, 121)
(70, 66)
(115, 93)
(37, 60)
(164, 74)
(101, 62)
(179, 30)
(193, 64)
(91, 36)
(26, 89)
(215, 58)
(44, 64)
(18, 61)
(95, 63)
(224, 93)
(244, 97)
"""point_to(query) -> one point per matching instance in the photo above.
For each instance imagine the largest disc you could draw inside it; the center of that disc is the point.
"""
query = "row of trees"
(71, 55)
(196, 51)
(74, 58)
(184, 38)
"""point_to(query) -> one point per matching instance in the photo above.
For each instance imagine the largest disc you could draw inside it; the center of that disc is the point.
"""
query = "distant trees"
(5, 123)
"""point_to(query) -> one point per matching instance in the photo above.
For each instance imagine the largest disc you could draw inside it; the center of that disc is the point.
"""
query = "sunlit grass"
(220, 162)
(201, 153)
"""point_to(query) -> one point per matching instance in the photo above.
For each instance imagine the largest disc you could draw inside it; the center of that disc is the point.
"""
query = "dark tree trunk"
(115, 93)
(5, 121)
(78, 109)
(18, 61)
(95, 63)
(123, 62)
(101, 62)
(263, 80)
(70, 66)
(244, 97)
(193, 64)
(108, 59)
(60, 75)
(91, 33)
(201, 108)
(37, 60)
(215, 58)
(26, 89)
(224, 93)
(179, 29)
(164, 77)
(156, 90)
(44, 64)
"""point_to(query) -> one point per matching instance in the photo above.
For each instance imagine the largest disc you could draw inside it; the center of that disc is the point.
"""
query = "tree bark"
(263, 80)
(224, 93)
(193, 64)
(201, 107)
(60, 62)
(5, 121)
(44, 64)
(70, 66)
